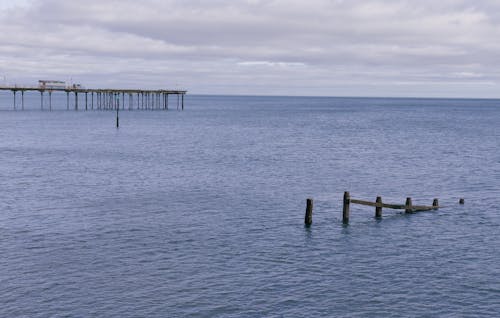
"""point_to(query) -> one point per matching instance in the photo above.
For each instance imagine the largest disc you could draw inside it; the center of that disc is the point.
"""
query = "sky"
(387, 48)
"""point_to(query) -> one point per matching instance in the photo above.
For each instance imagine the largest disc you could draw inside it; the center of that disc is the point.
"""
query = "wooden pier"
(104, 99)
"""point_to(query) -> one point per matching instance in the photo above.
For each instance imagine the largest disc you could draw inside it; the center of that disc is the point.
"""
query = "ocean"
(200, 213)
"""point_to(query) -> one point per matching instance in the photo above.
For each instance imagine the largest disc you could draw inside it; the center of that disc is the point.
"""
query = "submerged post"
(309, 210)
(345, 210)
(461, 201)
(408, 205)
(435, 203)
(378, 209)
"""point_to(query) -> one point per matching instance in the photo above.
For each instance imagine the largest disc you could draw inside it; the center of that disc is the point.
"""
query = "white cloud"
(332, 47)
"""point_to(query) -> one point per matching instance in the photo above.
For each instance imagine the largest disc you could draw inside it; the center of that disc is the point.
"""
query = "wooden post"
(76, 100)
(22, 100)
(435, 203)
(50, 100)
(408, 208)
(86, 93)
(378, 209)
(309, 211)
(182, 101)
(92, 100)
(461, 201)
(14, 99)
(345, 210)
(117, 118)
(41, 100)
(67, 100)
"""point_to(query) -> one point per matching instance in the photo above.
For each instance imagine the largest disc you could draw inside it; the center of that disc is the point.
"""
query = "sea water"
(200, 213)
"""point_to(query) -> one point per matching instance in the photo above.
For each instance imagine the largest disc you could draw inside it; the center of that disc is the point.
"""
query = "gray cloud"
(319, 47)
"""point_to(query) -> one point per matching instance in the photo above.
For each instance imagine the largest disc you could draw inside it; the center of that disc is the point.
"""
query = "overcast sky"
(438, 48)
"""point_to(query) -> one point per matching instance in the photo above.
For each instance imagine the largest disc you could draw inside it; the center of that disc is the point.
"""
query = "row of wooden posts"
(378, 204)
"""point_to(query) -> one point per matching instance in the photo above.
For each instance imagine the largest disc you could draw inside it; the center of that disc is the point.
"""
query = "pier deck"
(104, 99)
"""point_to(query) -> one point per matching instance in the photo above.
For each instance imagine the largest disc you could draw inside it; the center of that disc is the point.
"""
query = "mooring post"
(461, 201)
(309, 212)
(117, 118)
(345, 210)
(408, 205)
(378, 209)
(435, 203)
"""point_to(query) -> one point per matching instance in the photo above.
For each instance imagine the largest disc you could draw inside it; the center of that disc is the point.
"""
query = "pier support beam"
(86, 93)
(50, 100)
(22, 100)
(182, 96)
(41, 100)
(14, 99)
(76, 101)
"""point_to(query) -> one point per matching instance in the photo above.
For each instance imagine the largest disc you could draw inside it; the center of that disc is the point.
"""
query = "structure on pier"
(103, 99)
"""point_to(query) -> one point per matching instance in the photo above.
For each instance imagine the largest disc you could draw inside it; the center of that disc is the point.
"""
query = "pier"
(103, 99)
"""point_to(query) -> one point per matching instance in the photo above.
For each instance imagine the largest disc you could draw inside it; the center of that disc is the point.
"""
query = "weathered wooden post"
(435, 204)
(117, 118)
(461, 201)
(309, 211)
(345, 210)
(378, 209)
(408, 206)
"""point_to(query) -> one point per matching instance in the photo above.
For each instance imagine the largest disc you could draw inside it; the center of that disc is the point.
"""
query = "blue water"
(200, 213)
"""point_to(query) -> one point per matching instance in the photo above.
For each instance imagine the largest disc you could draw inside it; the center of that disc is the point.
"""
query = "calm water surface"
(200, 213)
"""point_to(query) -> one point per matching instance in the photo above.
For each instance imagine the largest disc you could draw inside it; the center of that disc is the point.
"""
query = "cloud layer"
(319, 47)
